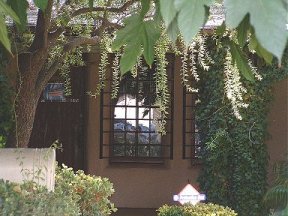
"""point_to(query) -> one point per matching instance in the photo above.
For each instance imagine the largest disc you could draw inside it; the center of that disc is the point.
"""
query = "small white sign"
(189, 195)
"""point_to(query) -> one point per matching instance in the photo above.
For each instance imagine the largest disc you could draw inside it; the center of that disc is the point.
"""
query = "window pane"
(155, 151)
(118, 150)
(144, 113)
(130, 125)
(119, 112)
(130, 137)
(143, 138)
(130, 150)
(143, 151)
(155, 138)
(119, 138)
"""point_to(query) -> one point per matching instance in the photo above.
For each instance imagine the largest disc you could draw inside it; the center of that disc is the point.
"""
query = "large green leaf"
(191, 16)
(168, 11)
(145, 6)
(241, 61)
(4, 35)
(169, 15)
(242, 31)
(20, 7)
(42, 4)
(268, 17)
(173, 30)
(126, 34)
(6, 10)
(260, 51)
(129, 58)
(135, 35)
(149, 37)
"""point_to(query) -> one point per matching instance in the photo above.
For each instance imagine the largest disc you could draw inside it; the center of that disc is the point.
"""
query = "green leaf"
(129, 58)
(4, 35)
(242, 31)
(191, 16)
(260, 51)
(6, 10)
(267, 17)
(168, 11)
(173, 30)
(91, 2)
(20, 7)
(42, 4)
(127, 33)
(145, 7)
(149, 37)
(241, 61)
(137, 33)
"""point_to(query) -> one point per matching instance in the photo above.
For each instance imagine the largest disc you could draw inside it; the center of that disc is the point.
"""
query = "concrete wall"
(150, 186)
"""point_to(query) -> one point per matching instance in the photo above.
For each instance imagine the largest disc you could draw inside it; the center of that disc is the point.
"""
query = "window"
(191, 137)
(129, 122)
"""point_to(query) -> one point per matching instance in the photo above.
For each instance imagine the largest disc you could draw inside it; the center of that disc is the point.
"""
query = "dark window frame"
(166, 140)
(190, 132)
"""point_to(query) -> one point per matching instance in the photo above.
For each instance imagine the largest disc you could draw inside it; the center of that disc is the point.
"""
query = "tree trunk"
(25, 104)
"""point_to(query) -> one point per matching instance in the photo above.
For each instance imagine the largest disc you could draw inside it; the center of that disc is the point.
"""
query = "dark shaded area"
(63, 121)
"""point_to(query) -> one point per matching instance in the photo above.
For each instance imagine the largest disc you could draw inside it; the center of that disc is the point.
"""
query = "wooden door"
(63, 118)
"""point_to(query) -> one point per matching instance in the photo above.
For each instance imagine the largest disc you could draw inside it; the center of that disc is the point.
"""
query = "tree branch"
(46, 74)
(41, 34)
(123, 8)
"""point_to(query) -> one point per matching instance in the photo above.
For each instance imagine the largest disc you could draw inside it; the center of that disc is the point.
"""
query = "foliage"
(273, 40)
(32, 199)
(197, 210)
(234, 152)
(276, 198)
(74, 194)
(177, 15)
(90, 193)
(6, 10)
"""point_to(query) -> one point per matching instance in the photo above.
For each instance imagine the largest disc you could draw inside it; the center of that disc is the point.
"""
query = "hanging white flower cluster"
(233, 87)
(195, 54)
(115, 76)
(161, 79)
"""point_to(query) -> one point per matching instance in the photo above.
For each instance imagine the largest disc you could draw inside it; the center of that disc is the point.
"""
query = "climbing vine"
(234, 153)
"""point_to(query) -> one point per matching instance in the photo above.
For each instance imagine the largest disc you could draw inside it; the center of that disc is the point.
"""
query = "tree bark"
(25, 103)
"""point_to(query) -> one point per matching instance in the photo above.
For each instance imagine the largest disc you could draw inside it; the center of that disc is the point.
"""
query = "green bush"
(74, 194)
(196, 210)
(90, 192)
(32, 199)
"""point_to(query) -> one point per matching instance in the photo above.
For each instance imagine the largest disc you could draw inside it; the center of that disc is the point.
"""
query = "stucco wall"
(277, 142)
(150, 186)
(139, 186)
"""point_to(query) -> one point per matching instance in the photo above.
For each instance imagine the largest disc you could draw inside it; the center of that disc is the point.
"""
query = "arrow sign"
(189, 195)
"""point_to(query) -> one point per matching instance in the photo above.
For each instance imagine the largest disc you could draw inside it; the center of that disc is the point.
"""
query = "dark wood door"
(63, 120)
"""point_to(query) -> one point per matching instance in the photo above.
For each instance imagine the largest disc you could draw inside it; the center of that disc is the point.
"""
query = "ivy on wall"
(234, 153)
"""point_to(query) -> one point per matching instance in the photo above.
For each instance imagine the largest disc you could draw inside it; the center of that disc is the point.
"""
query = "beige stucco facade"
(277, 142)
(150, 186)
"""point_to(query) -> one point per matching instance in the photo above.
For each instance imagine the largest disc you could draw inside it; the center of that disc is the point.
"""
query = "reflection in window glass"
(129, 131)
(135, 127)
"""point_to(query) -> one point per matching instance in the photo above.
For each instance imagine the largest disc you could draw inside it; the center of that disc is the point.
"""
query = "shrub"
(196, 210)
(32, 199)
(74, 194)
(90, 192)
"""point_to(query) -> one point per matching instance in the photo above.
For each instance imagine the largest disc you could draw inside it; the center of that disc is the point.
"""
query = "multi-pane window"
(130, 122)
(191, 138)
